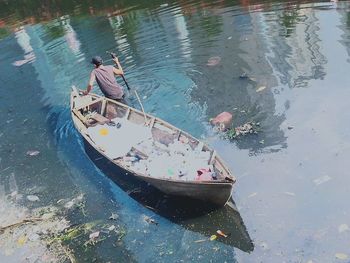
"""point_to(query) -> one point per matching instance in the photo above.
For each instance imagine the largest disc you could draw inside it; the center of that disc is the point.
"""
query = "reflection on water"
(186, 61)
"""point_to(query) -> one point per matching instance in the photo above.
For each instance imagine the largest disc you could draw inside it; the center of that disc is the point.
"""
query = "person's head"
(97, 61)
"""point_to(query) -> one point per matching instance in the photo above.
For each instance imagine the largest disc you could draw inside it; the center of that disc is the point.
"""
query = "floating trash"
(322, 179)
(111, 228)
(220, 233)
(94, 235)
(261, 88)
(343, 227)
(213, 237)
(150, 220)
(33, 153)
(33, 198)
(200, 240)
(252, 195)
(114, 216)
(213, 61)
(341, 256)
(245, 129)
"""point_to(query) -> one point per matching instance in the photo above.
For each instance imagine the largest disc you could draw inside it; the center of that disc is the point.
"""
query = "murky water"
(185, 60)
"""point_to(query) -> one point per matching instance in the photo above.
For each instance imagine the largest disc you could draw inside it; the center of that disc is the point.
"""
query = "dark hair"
(97, 60)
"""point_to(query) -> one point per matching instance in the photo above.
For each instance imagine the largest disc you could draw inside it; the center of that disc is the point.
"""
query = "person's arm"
(90, 85)
(119, 70)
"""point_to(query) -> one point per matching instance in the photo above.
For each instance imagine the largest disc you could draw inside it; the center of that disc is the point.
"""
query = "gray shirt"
(105, 79)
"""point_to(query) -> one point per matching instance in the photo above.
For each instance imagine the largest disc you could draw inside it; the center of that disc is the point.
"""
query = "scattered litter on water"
(289, 193)
(343, 227)
(290, 127)
(144, 97)
(200, 240)
(213, 237)
(33, 153)
(230, 37)
(341, 256)
(220, 233)
(21, 240)
(94, 235)
(243, 76)
(322, 179)
(114, 216)
(111, 228)
(33, 198)
(261, 88)
(252, 195)
(213, 61)
(150, 220)
(245, 129)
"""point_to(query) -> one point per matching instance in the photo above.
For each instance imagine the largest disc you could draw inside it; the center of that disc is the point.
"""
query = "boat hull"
(216, 194)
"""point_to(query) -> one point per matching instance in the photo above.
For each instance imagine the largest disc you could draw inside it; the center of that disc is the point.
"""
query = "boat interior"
(95, 112)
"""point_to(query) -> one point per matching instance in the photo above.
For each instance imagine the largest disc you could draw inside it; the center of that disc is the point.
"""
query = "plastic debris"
(243, 76)
(289, 193)
(213, 237)
(111, 228)
(150, 220)
(220, 233)
(341, 256)
(33, 198)
(261, 88)
(114, 216)
(223, 121)
(33, 153)
(322, 179)
(200, 240)
(94, 235)
(21, 240)
(245, 129)
(252, 195)
(343, 227)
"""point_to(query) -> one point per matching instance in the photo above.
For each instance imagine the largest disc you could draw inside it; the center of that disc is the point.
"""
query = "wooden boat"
(91, 111)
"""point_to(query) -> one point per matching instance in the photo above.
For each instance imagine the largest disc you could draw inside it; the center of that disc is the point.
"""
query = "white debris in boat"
(176, 161)
(117, 142)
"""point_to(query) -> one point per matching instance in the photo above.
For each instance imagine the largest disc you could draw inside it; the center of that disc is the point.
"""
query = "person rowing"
(105, 78)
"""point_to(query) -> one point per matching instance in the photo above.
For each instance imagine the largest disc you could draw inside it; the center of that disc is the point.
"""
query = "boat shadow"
(193, 215)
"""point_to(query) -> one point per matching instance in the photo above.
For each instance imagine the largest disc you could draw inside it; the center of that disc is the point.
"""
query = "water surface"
(185, 60)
